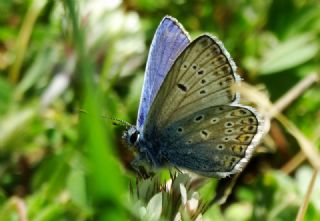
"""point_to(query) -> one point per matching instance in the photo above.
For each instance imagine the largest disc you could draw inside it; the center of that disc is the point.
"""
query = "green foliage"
(64, 64)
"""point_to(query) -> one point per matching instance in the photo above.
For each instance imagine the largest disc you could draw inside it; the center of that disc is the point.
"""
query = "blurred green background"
(58, 58)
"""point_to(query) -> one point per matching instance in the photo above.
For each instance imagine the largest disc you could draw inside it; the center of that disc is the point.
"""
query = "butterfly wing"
(201, 77)
(216, 141)
(169, 41)
(199, 84)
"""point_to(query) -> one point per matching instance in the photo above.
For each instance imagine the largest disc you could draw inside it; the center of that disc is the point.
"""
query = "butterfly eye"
(134, 137)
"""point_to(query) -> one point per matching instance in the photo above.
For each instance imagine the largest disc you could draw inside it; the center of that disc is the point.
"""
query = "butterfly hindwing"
(201, 77)
(216, 141)
(169, 41)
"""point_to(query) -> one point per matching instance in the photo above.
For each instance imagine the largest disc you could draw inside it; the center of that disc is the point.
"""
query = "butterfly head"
(131, 136)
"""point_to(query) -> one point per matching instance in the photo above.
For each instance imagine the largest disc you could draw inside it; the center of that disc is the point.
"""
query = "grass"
(60, 57)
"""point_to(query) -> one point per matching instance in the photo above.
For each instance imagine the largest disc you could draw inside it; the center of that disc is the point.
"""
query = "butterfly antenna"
(115, 121)
(118, 122)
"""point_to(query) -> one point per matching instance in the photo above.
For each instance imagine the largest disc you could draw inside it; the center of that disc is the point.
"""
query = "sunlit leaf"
(289, 54)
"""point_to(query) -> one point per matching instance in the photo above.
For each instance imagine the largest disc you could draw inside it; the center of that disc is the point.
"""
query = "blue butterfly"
(189, 116)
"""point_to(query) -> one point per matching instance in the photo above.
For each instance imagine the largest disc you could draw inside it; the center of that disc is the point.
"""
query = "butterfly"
(189, 116)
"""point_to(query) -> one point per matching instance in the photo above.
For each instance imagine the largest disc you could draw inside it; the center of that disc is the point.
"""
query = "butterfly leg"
(142, 168)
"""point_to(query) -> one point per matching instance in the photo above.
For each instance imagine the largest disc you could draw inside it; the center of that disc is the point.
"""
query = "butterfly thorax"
(144, 150)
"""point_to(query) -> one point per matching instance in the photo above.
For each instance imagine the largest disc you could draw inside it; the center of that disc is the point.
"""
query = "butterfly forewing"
(216, 141)
(169, 41)
(200, 77)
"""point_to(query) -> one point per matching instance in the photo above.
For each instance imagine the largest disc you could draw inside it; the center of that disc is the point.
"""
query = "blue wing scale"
(169, 41)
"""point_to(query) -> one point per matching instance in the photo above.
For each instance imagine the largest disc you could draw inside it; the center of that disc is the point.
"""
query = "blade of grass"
(294, 93)
(297, 160)
(106, 186)
(24, 37)
(304, 205)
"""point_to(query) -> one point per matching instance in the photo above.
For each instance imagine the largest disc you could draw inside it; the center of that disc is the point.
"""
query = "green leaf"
(289, 54)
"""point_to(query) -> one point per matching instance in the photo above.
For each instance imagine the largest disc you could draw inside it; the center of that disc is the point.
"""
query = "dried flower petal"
(154, 207)
(168, 185)
(183, 192)
(178, 217)
(193, 203)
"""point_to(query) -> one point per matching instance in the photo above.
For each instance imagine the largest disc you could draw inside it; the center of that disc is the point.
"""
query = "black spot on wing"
(182, 87)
